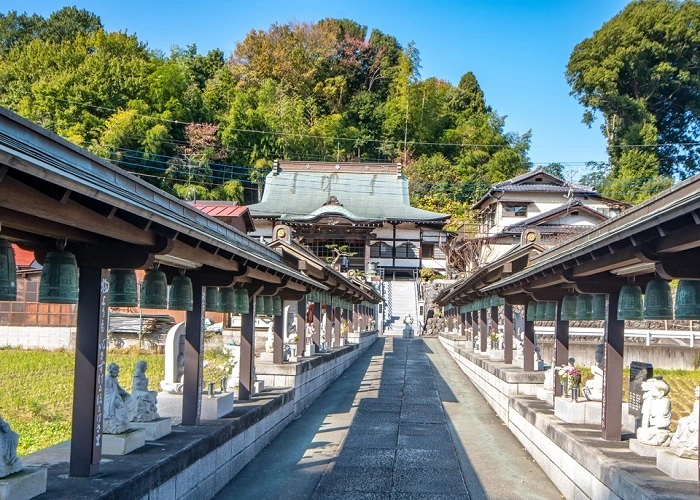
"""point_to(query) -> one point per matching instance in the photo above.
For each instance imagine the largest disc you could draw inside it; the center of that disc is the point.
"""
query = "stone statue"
(656, 413)
(144, 402)
(684, 442)
(270, 342)
(10, 463)
(117, 401)
(593, 389)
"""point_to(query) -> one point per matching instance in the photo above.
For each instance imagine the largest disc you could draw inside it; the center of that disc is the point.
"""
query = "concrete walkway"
(402, 422)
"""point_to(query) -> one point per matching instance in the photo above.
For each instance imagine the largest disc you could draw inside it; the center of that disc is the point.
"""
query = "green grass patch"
(37, 388)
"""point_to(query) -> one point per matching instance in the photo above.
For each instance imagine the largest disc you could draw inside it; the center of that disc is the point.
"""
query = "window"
(406, 251)
(426, 250)
(515, 210)
(380, 250)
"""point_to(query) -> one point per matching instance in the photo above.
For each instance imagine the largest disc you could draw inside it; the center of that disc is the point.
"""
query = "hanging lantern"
(8, 271)
(59, 278)
(531, 311)
(688, 299)
(181, 293)
(276, 306)
(242, 301)
(228, 299)
(658, 300)
(550, 312)
(568, 308)
(598, 307)
(630, 302)
(584, 307)
(212, 299)
(123, 288)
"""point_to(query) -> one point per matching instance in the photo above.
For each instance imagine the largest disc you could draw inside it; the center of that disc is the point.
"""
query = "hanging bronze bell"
(568, 307)
(688, 299)
(531, 313)
(59, 278)
(658, 300)
(154, 290)
(496, 301)
(598, 307)
(584, 307)
(550, 312)
(268, 306)
(212, 299)
(276, 306)
(540, 311)
(228, 299)
(123, 288)
(242, 301)
(8, 271)
(630, 303)
(181, 298)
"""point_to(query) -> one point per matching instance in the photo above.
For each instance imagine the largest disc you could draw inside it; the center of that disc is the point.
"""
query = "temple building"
(362, 207)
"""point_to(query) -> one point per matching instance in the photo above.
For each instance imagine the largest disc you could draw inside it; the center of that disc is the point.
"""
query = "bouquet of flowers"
(570, 374)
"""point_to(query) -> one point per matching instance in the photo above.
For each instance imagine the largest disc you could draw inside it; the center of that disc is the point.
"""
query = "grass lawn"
(36, 396)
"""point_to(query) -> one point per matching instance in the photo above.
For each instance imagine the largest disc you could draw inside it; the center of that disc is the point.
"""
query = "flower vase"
(575, 393)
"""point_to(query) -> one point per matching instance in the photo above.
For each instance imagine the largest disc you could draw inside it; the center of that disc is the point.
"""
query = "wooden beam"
(184, 251)
(18, 196)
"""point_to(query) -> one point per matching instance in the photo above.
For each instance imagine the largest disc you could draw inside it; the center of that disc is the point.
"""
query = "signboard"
(639, 372)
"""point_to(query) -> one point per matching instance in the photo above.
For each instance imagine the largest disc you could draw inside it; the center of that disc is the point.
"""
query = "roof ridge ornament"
(332, 200)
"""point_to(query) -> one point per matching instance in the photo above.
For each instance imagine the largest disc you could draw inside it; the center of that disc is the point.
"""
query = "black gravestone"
(639, 372)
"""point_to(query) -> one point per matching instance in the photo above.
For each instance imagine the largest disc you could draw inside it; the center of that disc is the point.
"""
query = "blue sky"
(518, 49)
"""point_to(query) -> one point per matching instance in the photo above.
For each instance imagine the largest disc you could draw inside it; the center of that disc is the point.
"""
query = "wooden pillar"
(245, 382)
(475, 325)
(351, 318)
(316, 337)
(194, 358)
(336, 327)
(529, 346)
(327, 323)
(483, 331)
(89, 383)
(278, 339)
(560, 356)
(301, 326)
(614, 342)
(494, 319)
(508, 333)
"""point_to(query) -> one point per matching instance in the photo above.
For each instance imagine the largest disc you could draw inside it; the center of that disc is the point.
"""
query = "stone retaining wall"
(38, 337)
(574, 457)
(197, 461)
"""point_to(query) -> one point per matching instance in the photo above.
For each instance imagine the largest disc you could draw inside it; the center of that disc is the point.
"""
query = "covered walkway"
(402, 422)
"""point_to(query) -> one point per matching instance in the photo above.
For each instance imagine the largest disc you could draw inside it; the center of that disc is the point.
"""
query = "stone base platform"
(155, 429)
(258, 386)
(545, 395)
(645, 450)
(124, 443)
(23, 485)
(218, 406)
(578, 412)
(685, 469)
(496, 354)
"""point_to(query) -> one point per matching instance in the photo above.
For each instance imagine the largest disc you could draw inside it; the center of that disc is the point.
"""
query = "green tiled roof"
(365, 196)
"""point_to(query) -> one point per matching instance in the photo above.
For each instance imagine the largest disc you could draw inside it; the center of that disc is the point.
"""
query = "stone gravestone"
(639, 372)
(174, 359)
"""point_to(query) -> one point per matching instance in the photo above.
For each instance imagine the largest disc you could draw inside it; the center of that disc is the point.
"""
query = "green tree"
(641, 72)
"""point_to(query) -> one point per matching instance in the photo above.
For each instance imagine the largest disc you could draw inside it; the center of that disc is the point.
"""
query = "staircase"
(400, 298)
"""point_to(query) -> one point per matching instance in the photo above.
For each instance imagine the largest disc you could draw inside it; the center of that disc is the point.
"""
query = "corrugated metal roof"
(221, 209)
(366, 195)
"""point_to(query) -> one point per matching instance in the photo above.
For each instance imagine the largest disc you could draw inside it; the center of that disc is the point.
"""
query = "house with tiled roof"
(537, 206)
(228, 212)
(364, 206)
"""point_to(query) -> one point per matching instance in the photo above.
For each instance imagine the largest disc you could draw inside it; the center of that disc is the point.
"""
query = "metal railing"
(681, 337)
